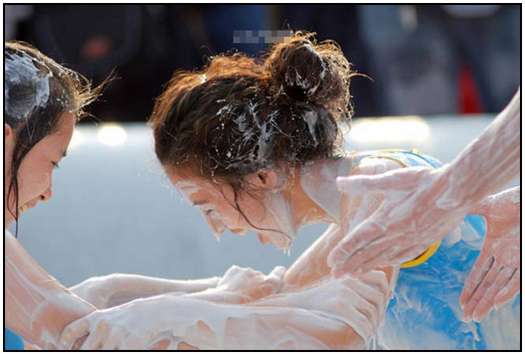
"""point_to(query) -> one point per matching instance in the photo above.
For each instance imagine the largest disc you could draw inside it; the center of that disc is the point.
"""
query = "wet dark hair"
(37, 92)
(242, 114)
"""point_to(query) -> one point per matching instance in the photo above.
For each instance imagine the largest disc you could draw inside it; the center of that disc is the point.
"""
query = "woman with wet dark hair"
(42, 103)
(257, 145)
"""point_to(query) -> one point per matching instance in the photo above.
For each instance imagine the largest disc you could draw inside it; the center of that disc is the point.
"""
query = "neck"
(8, 217)
(315, 197)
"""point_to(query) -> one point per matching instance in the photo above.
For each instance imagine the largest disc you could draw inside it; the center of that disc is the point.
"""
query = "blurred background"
(438, 74)
(422, 59)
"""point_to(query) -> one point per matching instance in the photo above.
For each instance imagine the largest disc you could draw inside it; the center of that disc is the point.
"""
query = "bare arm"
(37, 306)
(335, 314)
(312, 265)
(490, 161)
(311, 309)
(422, 205)
(115, 289)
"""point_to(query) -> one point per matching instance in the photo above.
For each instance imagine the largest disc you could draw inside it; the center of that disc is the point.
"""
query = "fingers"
(478, 272)
(407, 254)
(276, 277)
(78, 343)
(97, 337)
(132, 343)
(375, 298)
(370, 256)
(360, 238)
(113, 340)
(359, 322)
(508, 292)
(377, 279)
(163, 344)
(336, 260)
(487, 301)
(480, 290)
(278, 272)
(72, 332)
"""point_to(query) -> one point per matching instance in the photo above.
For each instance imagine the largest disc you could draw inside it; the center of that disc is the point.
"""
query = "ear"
(267, 179)
(7, 130)
(9, 144)
(9, 137)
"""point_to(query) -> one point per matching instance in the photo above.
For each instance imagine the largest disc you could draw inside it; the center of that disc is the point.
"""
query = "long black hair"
(37, 91)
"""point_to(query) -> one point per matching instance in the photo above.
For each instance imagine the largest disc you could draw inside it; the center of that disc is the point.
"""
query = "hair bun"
(318, 73)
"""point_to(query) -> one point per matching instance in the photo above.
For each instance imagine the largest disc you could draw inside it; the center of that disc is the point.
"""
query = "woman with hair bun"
(257, 145)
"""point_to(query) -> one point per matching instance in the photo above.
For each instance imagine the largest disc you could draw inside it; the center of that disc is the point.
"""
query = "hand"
(418, 209)
(252, 284)
(95, 290)
(360, 302)
(495, 277)
(129, 326)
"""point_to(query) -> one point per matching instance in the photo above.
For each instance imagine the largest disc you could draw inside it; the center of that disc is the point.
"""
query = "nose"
(46, 195)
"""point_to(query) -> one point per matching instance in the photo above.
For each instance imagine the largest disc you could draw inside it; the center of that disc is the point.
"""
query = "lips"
(238, 231)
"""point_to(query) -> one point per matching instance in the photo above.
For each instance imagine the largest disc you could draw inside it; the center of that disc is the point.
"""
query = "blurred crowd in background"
(422, 59)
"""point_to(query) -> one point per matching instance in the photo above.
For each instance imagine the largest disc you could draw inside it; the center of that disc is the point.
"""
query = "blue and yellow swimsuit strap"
(399, 156)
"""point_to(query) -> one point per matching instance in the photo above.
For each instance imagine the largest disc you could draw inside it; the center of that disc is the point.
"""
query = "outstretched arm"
(115, 289)
(422, 205)
(37, 306)
(312, 265)
(335, 314)
(489, 163)
(350, 308)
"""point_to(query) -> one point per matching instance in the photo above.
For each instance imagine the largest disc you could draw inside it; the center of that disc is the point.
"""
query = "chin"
(281, 242)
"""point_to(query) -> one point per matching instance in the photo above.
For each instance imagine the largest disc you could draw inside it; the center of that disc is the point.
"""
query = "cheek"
(253, 209)
(33, 180)
(226, 213)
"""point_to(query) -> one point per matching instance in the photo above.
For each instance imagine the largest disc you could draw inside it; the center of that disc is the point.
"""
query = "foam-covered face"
(36, 170)
(265, 208)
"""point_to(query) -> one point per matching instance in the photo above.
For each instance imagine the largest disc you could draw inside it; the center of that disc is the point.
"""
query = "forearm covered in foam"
(490, 161)
(127, 287)
(37, 306)
(208, 325)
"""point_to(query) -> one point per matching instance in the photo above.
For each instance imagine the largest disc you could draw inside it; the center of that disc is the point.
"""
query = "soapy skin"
(422, 205)
(115, 289)
(288, 315)
(39, 307)
(495, 278)
(272, 323)
(302, 308)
